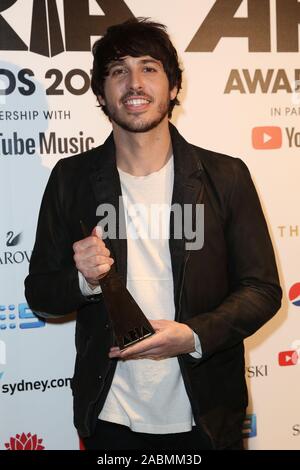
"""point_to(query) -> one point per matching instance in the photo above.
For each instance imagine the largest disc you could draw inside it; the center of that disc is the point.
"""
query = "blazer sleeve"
(255, 293)
(52, 285)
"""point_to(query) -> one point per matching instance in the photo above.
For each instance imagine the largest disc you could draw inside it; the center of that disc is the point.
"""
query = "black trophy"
(129, 323)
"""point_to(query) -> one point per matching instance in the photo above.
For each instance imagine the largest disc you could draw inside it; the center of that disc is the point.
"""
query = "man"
(183, 387)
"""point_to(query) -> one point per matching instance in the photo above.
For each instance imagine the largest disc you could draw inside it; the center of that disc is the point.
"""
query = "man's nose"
(135, 79)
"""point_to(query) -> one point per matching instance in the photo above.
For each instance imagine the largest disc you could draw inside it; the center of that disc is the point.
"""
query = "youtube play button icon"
(266, 137)
(288, 358)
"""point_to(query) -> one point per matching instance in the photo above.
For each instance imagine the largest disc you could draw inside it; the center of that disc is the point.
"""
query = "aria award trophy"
(129, 323)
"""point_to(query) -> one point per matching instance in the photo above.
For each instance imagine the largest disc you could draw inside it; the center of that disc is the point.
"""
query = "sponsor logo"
(293, 137)
(266, 137)
(50, 144)
(12, 240)
(288, 358)
(271, 137)
(249, 426)
(256, 371)
(40, 385)
(294, 294)
(24, 442)
(18, 316)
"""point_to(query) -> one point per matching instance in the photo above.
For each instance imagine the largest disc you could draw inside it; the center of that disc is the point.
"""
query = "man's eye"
(149, 69)
(117, 72)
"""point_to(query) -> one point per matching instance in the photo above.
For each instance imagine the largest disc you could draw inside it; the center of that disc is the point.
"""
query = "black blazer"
(224, 291)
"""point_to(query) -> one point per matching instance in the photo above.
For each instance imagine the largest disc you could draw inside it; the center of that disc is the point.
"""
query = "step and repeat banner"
(241, 96)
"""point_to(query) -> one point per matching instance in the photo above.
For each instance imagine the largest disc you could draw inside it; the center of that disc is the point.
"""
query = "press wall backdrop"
(241, 96)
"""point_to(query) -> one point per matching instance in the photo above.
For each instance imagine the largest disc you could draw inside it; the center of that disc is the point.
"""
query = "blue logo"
(18, 316)
(249, 426)
(1, 375)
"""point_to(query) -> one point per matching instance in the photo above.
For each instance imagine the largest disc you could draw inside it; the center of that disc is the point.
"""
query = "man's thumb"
(97, 231)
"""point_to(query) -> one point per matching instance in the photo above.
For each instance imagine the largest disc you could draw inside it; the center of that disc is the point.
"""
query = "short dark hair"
(135, 37)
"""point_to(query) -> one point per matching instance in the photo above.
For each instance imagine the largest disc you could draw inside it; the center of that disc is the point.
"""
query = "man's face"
(136, 93)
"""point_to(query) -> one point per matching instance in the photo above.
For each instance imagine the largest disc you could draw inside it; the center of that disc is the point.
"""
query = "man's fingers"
(91, 257)
(96, 272)
(98, 260)
(90, 242)
(95, 238)
(158, 324)
(149, 352)
(143, 346)
(154, 354)
(89, 260)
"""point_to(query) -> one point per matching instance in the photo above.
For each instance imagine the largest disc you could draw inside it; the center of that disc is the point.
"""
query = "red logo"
(24, 442)
(266, 137)
(288, 358)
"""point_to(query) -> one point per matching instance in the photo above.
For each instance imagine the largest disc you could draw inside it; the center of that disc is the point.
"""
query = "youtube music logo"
(288, 358)
(266, 137)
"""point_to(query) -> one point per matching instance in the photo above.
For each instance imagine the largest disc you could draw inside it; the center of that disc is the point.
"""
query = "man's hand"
(92, 258)
(170, 339)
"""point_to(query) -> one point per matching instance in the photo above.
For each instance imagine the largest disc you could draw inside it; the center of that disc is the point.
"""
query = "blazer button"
(107, 326)
(100, 377)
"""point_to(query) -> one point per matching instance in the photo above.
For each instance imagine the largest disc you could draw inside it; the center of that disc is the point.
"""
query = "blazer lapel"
(105, 183)
(186, 190)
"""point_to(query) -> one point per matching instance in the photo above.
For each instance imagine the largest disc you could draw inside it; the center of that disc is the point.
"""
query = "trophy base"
(133, 337)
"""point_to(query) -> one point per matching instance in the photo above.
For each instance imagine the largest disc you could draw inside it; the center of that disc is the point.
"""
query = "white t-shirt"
(149, 395)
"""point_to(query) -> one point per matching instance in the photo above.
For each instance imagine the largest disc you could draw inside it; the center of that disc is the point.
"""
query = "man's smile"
(136, 103)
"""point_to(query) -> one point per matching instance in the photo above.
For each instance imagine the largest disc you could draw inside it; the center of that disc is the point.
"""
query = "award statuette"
(128, 321)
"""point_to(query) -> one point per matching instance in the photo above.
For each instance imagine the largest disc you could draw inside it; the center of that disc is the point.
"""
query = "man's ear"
(101, 100)
(173, 93)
